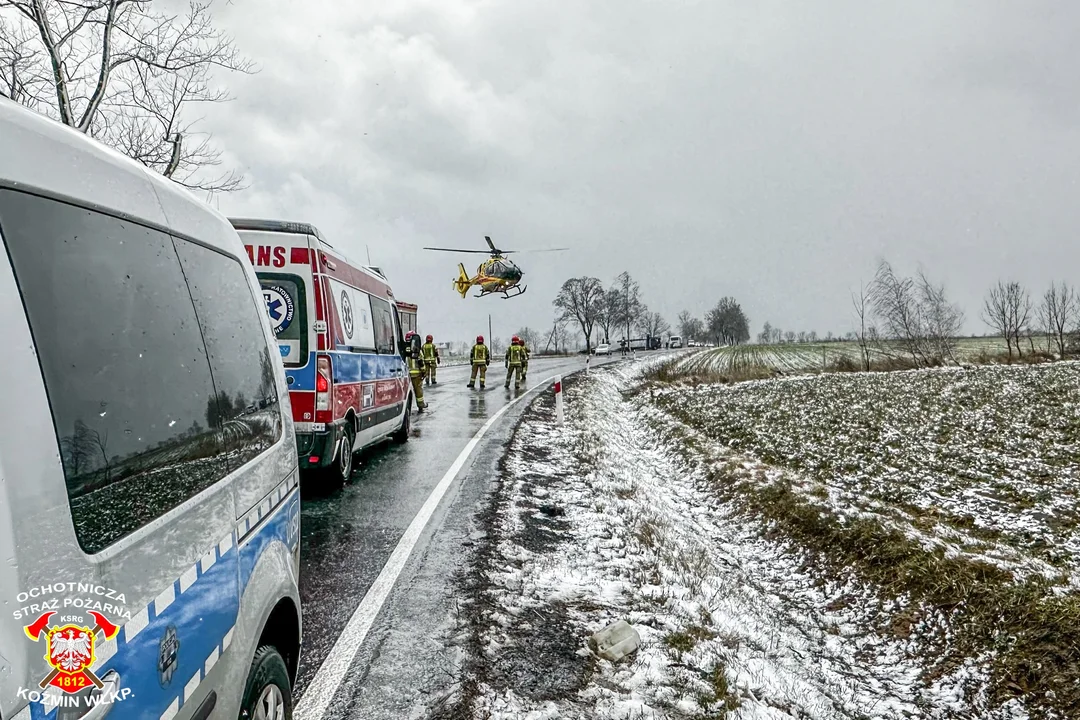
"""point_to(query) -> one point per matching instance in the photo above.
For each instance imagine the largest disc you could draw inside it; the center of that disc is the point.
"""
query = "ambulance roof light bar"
(284, 226)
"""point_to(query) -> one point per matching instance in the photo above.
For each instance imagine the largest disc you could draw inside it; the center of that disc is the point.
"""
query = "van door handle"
(111, 686)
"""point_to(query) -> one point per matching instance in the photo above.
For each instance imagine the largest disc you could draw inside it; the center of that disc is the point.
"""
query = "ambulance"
(339, 332)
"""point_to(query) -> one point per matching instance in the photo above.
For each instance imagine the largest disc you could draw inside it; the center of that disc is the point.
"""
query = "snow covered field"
(808, 357)
(839, 546)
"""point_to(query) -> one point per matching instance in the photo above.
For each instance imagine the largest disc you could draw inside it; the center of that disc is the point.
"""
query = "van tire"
(267, 682)
(402, 435)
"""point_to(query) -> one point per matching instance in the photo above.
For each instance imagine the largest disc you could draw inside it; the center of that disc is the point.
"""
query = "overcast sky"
(772, 151)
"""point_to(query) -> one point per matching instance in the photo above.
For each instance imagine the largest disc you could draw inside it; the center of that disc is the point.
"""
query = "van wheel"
(402, 435)
(268, 694)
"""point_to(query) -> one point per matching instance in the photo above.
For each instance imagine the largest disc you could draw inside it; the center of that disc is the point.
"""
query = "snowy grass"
(814, 357)
(950, 489)
(631, 512)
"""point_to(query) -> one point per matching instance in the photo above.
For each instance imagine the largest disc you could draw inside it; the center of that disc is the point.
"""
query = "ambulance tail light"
(324, 386)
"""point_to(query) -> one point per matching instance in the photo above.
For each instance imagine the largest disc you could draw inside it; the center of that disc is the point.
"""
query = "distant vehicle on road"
(149, 464)
(340, 333)
(604, 349)
(675, 341)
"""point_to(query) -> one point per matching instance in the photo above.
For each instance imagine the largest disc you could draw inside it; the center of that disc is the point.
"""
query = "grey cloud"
(768, 150)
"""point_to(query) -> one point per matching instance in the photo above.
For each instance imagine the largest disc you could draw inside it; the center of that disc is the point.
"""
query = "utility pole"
(491, 337)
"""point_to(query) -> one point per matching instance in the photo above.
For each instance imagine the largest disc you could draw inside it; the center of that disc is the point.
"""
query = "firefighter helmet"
(515, 340)
(429, 338)
(409, 335)
(480, 339)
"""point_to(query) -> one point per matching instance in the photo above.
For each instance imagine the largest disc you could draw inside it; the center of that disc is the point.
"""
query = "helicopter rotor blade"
(507, 252)
(492, 245)
(458, 250)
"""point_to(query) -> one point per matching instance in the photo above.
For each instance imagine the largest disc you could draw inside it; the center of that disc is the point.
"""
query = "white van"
(675, 341)
(339, 331)
(149, 502)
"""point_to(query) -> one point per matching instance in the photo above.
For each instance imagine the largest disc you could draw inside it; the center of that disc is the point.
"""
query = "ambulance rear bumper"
(316, 443)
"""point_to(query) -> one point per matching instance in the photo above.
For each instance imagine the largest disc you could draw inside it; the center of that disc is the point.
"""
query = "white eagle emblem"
(71, 649)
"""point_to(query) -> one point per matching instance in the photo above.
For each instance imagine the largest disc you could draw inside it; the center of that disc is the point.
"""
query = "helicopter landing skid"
(520, 291)
(507, 294)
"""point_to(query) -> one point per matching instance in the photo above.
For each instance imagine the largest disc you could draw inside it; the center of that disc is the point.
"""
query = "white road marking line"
(327, 680)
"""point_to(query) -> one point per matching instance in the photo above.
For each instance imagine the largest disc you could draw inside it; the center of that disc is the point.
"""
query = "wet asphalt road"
(348, 534)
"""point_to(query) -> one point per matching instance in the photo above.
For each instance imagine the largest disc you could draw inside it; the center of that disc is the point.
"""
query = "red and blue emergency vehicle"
(340, 333)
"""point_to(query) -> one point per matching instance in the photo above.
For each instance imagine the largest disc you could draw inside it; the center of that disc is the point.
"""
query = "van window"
(384, 327)
(232, 325)
(123, 361)
(286, 304)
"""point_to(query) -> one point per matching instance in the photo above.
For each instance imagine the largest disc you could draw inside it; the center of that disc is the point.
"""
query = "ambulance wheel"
(342, 467)
(402, 435)
(268, 693)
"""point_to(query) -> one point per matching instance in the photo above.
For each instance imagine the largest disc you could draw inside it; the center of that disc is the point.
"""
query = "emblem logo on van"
(346, 314)
(279, 305)
(168, 656)
(70, 651)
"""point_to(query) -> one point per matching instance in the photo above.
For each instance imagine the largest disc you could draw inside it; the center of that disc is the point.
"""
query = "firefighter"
(515, 356)
(415, 360)
(431, 359)
(525, 363)
(480, 359)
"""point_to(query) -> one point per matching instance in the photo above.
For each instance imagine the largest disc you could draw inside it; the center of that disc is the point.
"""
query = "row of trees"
(1009, 311)
(599, 311)
(123, 72)
(724, 324)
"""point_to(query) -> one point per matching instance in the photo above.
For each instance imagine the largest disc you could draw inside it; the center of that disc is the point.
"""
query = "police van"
(339, 332)
(149, 501)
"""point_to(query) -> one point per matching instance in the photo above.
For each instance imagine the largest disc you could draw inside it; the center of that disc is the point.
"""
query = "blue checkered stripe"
(201, 607)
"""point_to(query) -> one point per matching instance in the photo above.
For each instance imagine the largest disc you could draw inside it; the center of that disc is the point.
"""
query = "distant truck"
(645, 343)
(407, 314)
(675, 341)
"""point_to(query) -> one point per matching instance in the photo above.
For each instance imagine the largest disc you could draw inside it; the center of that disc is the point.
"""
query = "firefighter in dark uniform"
(480, 358)
(431, 359)
(515, 357)
(415, 361)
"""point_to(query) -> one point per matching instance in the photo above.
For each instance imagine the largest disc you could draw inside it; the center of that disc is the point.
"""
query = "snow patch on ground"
(600, 520)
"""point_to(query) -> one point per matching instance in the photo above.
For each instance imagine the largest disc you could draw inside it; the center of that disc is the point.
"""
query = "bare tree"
(1058, 315)
(79, 450)
(940, 321)
(685, 324)
(1007, 309)
(860, 302)
(608, 317)
(652, 324)
(625, 296)
(790, 336)
(766, 334)
(528, 336)
(895, 303)
(581, 299)
(124, 73)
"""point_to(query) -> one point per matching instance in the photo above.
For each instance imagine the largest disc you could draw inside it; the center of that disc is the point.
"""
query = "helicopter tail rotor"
(463, 283)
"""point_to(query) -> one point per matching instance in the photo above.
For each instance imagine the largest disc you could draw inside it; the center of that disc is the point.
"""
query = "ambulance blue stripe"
(202, 605)
(348, 367)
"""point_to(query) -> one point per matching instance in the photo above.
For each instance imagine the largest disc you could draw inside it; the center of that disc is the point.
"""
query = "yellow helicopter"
(495, 275)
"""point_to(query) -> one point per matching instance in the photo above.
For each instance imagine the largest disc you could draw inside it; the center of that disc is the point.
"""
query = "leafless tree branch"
(126, 74)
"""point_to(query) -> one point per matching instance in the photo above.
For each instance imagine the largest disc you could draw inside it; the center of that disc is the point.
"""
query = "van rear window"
(140, 425)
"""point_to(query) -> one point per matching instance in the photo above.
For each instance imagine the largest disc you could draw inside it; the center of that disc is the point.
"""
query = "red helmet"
(515, 340)
(409, 335)
(429, 338)
(480, 339)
